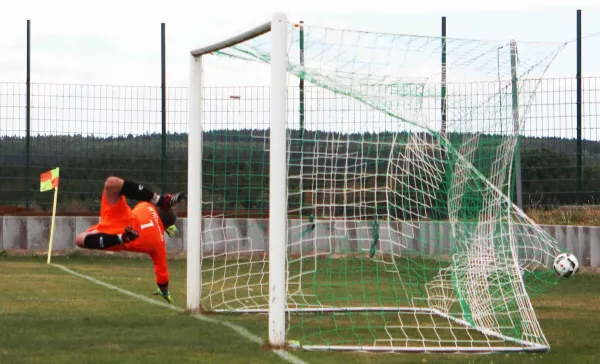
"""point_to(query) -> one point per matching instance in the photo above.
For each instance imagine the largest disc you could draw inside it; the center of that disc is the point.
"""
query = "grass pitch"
(50, 316)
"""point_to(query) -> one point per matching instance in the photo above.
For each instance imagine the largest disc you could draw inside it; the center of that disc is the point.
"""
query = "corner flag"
(48, 182)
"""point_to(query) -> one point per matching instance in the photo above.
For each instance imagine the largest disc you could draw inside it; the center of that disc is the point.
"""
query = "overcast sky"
(112, 42)
(118, 42)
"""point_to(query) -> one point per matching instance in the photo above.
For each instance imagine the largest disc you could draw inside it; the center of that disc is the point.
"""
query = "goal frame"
(277, 219)
(277, 174)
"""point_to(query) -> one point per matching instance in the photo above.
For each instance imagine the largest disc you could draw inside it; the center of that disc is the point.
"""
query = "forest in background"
(235, 166)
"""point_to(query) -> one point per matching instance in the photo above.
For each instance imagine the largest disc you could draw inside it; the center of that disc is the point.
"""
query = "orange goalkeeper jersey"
(145, 220)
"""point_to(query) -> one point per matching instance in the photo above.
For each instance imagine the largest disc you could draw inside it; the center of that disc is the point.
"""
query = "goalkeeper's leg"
(95, 240)
(115, 187)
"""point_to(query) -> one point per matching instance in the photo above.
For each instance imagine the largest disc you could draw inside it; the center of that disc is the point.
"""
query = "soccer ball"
(565, 265)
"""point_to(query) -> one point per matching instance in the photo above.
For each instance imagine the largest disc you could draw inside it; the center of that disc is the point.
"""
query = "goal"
(360, 194)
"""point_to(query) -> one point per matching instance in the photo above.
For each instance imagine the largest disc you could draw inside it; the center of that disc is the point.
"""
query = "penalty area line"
(238, 329)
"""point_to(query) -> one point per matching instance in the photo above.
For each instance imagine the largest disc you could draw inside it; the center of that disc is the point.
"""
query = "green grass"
(355, 281)
(49, 316)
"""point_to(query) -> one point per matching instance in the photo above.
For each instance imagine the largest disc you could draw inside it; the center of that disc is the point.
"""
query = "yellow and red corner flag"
(49, 180)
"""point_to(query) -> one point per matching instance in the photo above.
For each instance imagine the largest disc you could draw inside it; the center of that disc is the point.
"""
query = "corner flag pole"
(49, 181)
(52, 224)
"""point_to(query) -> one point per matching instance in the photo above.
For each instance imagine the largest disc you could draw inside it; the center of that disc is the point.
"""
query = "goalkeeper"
(140, 230)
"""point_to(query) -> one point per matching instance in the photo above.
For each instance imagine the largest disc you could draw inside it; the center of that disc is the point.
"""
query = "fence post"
(444, 101)
(163, 169)
(301, 41)
(516, 122)
(442, 195)
(28, 119)
(579, 114)
(301, 109)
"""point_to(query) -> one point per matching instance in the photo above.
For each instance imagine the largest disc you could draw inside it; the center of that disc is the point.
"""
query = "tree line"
(235, 167)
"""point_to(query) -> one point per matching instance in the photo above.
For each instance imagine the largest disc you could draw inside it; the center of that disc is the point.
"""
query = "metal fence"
(90, 132)
(93, 131)
(552, 141)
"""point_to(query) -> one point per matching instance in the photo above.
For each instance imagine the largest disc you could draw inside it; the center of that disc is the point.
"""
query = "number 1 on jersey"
(149, 224)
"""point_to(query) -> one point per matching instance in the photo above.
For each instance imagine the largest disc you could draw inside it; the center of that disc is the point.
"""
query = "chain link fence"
(94, 131)
(90, 132)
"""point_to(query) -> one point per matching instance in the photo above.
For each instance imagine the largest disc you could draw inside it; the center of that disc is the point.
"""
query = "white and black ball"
(565, 265)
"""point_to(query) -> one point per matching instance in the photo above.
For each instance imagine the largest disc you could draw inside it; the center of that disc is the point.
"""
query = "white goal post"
(382, 233)
(277, 180)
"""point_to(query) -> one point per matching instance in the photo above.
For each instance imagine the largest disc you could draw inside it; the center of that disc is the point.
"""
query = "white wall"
(32, 233)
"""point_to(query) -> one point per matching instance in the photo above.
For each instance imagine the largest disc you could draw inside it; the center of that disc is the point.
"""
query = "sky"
(118, 42)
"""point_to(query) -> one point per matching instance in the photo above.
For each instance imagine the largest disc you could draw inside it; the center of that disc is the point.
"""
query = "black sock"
(138, 192)
(101, 240)
(164, 288)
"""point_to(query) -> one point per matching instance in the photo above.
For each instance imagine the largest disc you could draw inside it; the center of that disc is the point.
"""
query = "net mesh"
(402, 229)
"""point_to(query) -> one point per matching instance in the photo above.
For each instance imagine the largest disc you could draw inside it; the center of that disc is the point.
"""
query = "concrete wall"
(250, 235)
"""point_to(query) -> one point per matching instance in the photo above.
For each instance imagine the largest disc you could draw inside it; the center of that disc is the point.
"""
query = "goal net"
(361, 192)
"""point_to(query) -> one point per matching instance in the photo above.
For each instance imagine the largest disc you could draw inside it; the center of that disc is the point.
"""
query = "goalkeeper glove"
(172, 231)
(164, 293)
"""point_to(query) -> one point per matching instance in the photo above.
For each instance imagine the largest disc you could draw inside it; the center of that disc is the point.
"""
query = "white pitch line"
(239, 329)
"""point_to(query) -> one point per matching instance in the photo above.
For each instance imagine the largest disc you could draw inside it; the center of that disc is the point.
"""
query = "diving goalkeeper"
(138, 230)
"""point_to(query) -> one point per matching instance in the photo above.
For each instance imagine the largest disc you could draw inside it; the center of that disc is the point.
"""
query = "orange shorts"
(114, 219)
